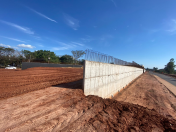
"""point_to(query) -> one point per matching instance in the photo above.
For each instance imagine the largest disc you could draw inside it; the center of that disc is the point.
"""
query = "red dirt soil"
(147, 91)
(62, 109)
(68, 109)
(16, 82)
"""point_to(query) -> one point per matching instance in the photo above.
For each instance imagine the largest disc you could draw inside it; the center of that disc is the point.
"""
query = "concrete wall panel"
(104, 79)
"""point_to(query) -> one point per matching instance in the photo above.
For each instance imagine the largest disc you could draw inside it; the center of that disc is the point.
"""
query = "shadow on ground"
(71, 85)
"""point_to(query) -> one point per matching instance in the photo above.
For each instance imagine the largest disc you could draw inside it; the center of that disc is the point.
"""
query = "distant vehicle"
(10, 67)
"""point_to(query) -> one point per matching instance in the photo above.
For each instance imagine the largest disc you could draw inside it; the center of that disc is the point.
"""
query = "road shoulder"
(171, 87)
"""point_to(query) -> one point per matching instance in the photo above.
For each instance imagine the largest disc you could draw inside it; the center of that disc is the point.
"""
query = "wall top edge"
(111, 64)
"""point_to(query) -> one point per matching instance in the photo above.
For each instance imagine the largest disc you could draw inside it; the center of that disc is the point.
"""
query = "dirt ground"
(64, 107)
(68, 109)
(16, 82)
(147, 91)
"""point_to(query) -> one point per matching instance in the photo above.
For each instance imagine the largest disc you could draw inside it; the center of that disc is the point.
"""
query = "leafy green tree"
(155, 69)
(44, 56)
(10, 56)
(66, 59)
(77, 54)
(169, 68)
(27, 54)
(9, 51)
(161, 71)
(81, 62)
(53, 58)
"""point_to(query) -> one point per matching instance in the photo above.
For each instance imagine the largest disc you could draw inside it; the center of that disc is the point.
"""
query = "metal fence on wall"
(91, 55)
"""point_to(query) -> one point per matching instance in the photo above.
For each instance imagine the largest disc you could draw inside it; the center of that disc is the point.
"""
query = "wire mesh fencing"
(91, 55)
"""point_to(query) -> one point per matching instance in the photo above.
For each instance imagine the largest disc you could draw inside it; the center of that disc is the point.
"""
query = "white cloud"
(26, 46)
(13, 39)
(5, 45)
(42, 15)
(62, 43)
(114, 3)
(60, 48)
(72, 22)
(23, 29)
(78, 43)
(65, 46)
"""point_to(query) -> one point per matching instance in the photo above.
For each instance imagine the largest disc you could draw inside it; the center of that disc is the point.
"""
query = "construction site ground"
(65, 108)
(147, 91)
(17, 82)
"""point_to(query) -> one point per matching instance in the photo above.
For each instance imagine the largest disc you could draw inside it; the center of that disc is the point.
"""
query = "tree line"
(10, 56)
(169, 68)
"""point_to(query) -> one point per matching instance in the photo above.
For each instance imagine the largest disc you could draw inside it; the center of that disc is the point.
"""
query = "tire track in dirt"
(66, 109)
(71, 110)
(17, 82)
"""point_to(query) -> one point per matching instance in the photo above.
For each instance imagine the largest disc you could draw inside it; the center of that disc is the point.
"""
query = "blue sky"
(143, 31)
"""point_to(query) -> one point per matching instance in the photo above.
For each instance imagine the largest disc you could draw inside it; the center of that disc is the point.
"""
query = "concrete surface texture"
(105, 80)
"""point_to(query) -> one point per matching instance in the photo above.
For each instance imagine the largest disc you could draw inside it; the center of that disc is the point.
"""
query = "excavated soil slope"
(65, 109)
(68, 109)
(16, 82)
(147, 91)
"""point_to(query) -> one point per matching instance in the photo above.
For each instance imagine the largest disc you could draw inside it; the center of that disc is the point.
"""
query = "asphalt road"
(166, 78)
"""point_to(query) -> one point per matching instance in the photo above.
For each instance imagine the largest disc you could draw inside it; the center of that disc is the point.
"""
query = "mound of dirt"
(63, 109)
(148, 92)
(112, 115)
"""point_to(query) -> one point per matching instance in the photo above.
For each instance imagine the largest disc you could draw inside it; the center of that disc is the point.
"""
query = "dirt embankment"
(68, 109)
(147, 91)
(62, 109)
(16, 82)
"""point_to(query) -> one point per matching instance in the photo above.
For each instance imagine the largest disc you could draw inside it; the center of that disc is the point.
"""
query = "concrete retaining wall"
(26, 65)
(105, 80)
